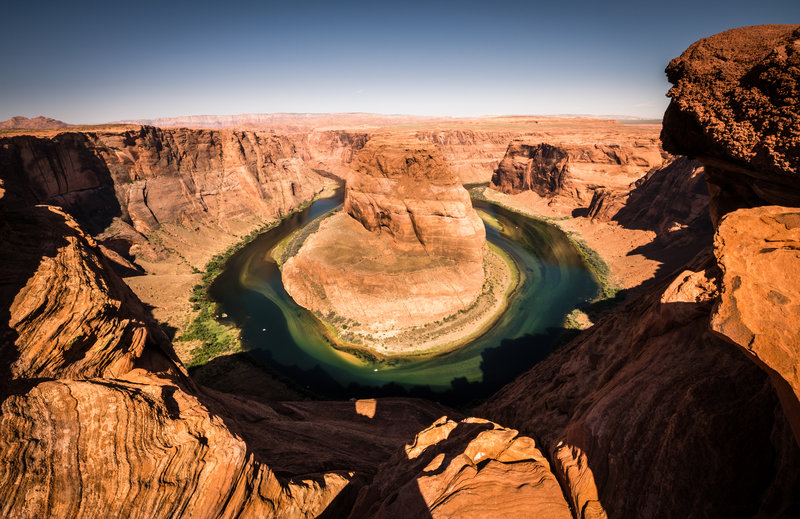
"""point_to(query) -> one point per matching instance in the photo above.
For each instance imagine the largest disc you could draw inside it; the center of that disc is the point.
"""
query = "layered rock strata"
(468, 469)
(407, 250)
(572, 171)
(406, 189)
(151, 176)
(100, 420)
(644, 414)
(671, 201)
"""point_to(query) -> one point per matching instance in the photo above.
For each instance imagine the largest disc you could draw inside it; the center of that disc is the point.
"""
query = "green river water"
(288, 338)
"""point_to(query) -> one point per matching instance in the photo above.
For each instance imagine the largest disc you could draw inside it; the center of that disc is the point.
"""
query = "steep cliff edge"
(152, 176)
(159, 201)
(734, 107)
(407, 189)
(574, 171)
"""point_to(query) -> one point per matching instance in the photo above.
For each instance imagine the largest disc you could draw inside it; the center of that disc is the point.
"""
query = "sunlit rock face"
(404, 187)
(407, 249)
(468, 469)
(735, 107)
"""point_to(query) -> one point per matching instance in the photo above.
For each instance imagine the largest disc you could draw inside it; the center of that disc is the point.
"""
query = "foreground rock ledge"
(407, 251)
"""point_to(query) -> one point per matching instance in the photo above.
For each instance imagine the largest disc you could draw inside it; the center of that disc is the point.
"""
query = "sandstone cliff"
(406, 188)
(152, 176)
(100, 420)
(573, 171)
(671, 201)
(645, 414)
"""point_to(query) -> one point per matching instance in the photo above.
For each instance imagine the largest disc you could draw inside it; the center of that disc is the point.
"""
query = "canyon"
(683, 400)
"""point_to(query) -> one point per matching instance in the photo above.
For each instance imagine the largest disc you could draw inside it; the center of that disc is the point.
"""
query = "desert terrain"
(673, 394)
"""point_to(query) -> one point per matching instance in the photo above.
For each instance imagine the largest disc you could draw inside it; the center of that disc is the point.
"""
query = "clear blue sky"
(91, 62)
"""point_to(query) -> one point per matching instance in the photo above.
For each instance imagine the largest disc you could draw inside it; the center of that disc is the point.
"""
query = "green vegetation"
(599, 268)
(291, 246)
(594, 262)
(217, 338)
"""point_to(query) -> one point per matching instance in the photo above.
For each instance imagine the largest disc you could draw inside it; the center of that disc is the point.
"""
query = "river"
(288, 338)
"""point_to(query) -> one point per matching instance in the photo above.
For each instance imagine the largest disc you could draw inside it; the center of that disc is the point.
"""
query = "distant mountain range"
(37, 123)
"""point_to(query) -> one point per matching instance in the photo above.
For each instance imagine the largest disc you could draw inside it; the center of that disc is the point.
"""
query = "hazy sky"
(91, 62)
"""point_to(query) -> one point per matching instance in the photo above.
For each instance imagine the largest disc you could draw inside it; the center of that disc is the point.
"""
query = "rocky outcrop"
(758, 251)
(99, 419)
(406, 189)
(734, 106)
(542, 168)
(574, 172)
(65, 316)
(645, 414)
(407, 250)
(468, 469)
(671, 201)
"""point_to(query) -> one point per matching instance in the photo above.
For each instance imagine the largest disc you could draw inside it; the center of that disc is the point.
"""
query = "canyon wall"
(734, 107)
(574, 171)
(99, 419)
(406, 251)
(152, 176)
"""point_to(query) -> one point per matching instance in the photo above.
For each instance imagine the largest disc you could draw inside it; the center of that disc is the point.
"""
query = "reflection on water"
(277, 331)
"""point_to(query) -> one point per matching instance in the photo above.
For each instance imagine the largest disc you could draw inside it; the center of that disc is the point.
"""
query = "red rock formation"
(734, 106)
(466, 469)
(542, 168)
(405, 188)
(99, 420)
(645, 414)
(407, 251)
(152, 176)
(671, 200)
(758, 251)
(574, 171)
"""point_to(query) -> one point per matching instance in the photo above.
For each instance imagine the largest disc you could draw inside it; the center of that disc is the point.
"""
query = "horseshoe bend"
(404, 267)
(355, 315)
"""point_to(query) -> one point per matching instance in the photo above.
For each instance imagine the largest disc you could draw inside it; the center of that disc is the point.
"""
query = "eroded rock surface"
(407, 250)
(99, 419)
(735, 107)
(151, 176)
(758, 251)
(574, 171)
(645, 414)
(473, 468)
(404, 187)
